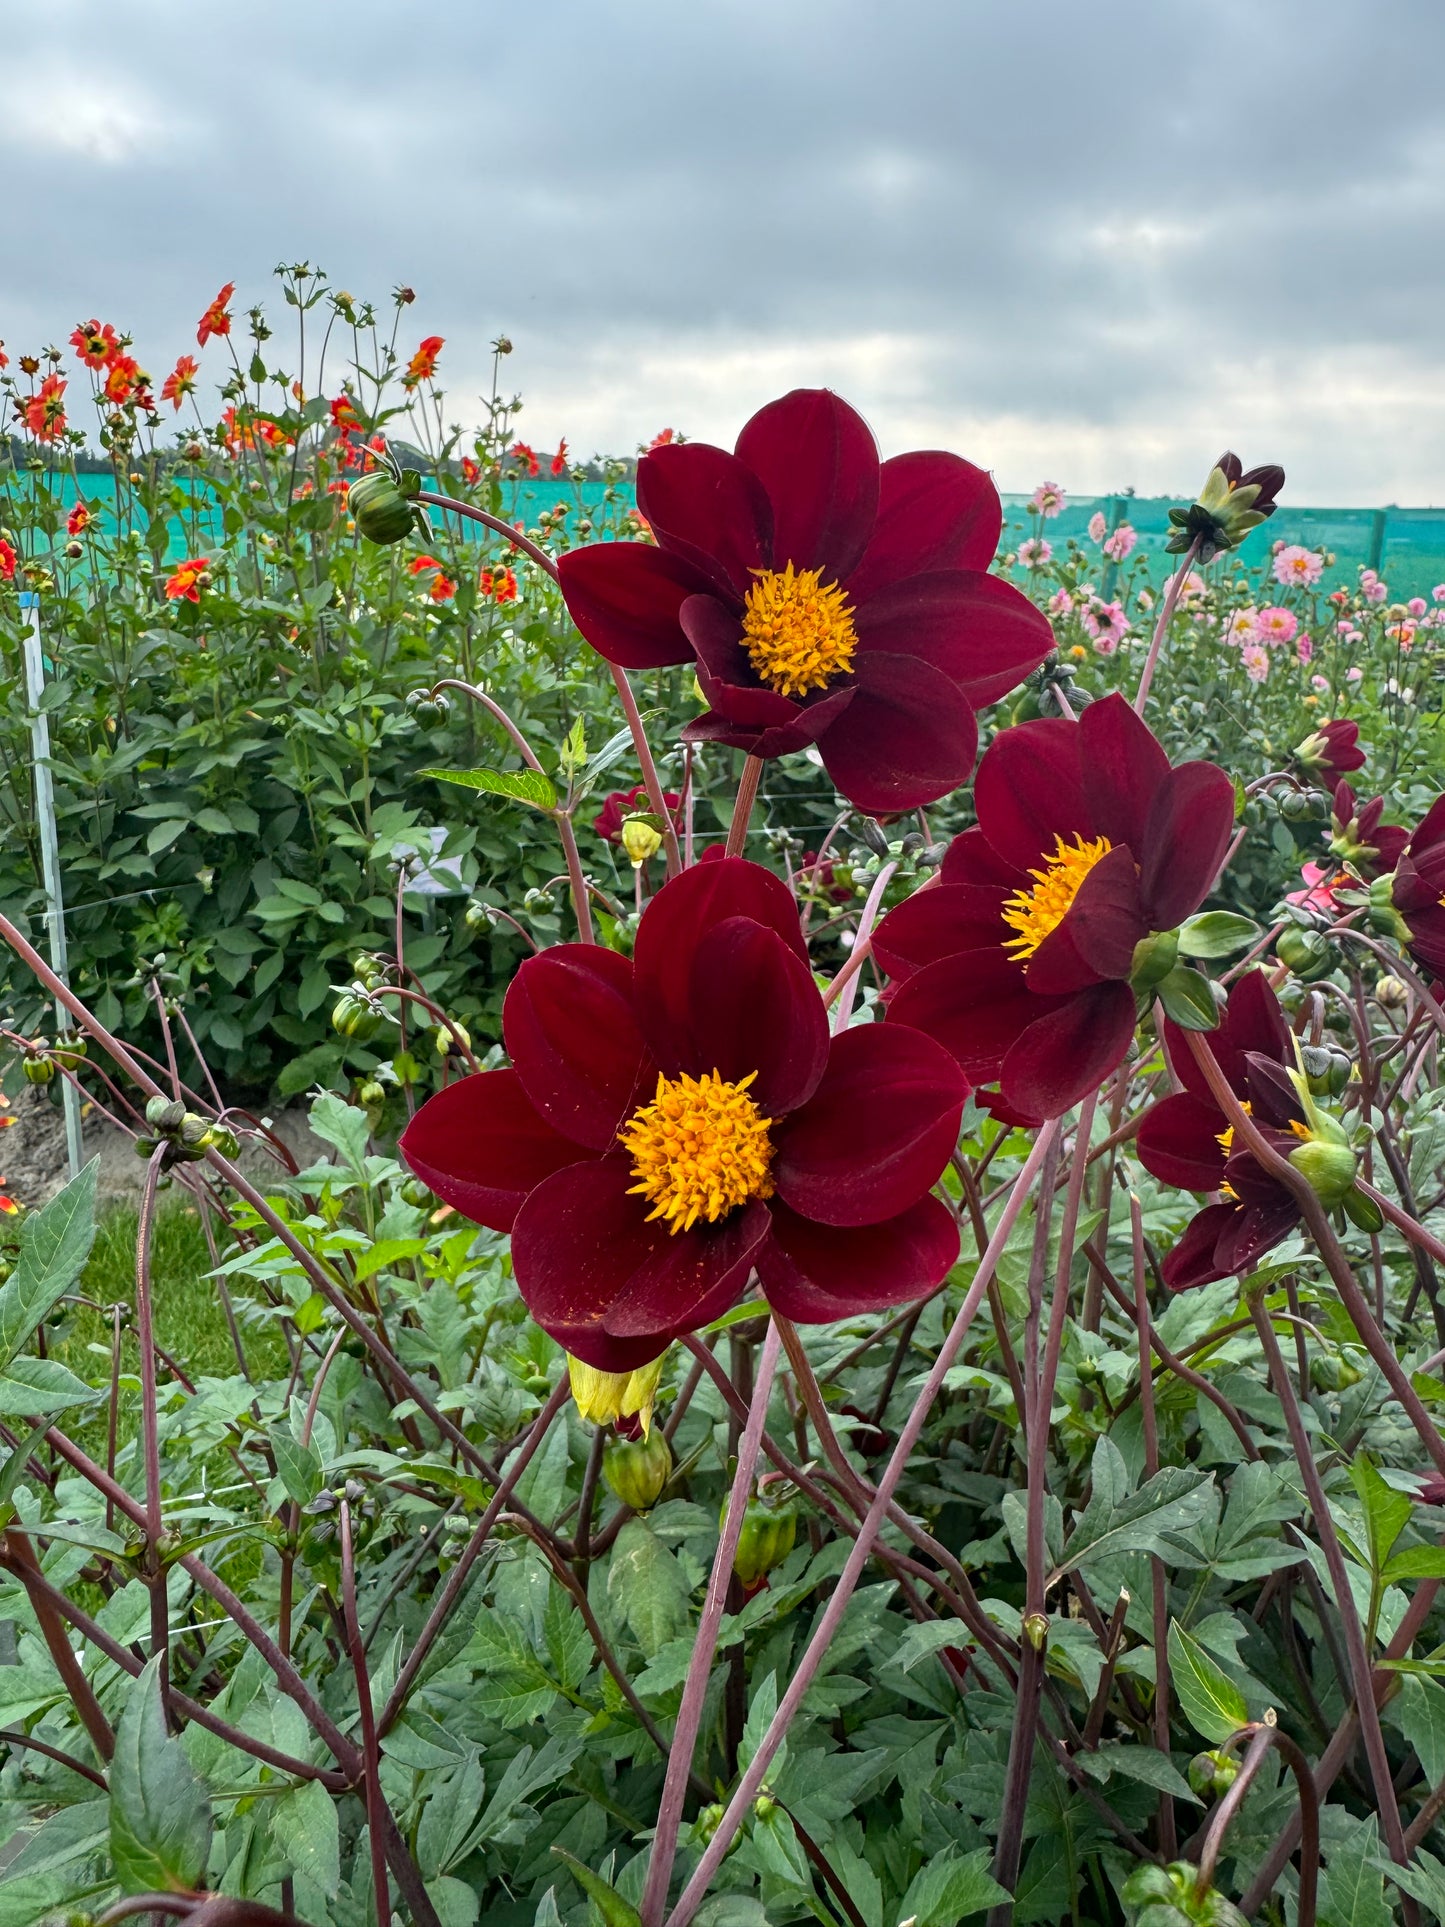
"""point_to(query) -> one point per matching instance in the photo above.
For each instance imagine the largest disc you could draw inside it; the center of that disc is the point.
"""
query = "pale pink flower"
(1061, 603)
(1255, 657)
(1403, 633)
(1372, 587)
(1321, 683)
(1354, 675)
(1241, 627)
(1298, 566)
(1034, 552)
(1193, 586)
(1097, 526)
(1107, 624)
(1048, 500)
(1119, 544)
(1276, 626)
(1438, 592)
(1304, 649)
(1417, 605)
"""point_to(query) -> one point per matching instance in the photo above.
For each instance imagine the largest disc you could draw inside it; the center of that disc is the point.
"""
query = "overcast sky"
(1093, 243)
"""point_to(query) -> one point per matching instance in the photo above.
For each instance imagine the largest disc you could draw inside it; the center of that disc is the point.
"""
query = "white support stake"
(50, 854)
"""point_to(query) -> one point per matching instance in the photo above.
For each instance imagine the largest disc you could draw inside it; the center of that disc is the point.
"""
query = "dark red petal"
(935, 511)
(818, 461)
(1254, 1229)
(705, 505)
(1069, 1052)
(1097, 937)
(1179, 1143)
(1389, 844)
(755, 1008)
(608, 1284)
(877, 1131)
(625, 598)
(976, 1005)
(980, 631)
(1430, 830)
(1255, 1022)
(937, 922)
(809, 720)
(907, 738)
(972, 859)
(1192, 1261)
(573, 1039)
(1030, 790)
(1123, 766)
(1190, 823)
(675, 923)
(815, 1274)
(482, 1147)
(728, 679)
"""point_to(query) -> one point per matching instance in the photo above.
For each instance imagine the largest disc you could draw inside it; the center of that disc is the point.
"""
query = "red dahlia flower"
(95, 344)
(1360, 839)
(1332, 751)
(620, 803)
(1186, 1140)
(217, 318)
(1419, 889)
(181, 381)
(673, 1124)
(44, 411)
(423, 364)
(186, 583)
(1023, 960)
(9, 561)
(826, 598)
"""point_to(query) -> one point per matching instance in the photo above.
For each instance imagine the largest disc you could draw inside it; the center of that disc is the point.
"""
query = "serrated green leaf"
(948, 1888)
(645, 1585)
(1115, 1522)
(34, 1386)
(529, 786)
(305, 1825)
(1387, 1512)
(615, 1911)
(55, 1242)
(160, 1817)
(298, 1466)
(1212, 1703)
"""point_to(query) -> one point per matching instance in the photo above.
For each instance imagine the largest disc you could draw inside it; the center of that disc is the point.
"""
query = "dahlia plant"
(843, 1223)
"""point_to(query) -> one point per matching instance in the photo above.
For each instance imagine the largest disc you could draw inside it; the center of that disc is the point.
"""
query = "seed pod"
(637, 1469)
(37, 1068)
(766, 1539)
(354, 1017)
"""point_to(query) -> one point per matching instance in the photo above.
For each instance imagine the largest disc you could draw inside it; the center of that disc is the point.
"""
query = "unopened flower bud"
(1333, 1372)
(354, 1017)
(372, 1095)
(638, 1469)
(420, 1196)
(1305, 952)
(769, 1530)
(1036, 1630)
(452, 1038)
(1212, 1774)
(1328, 1070)
(1391, 994)
(37, 1067)
(640, 839)
(165, 1115)
(382, 507)
(1327, 1159)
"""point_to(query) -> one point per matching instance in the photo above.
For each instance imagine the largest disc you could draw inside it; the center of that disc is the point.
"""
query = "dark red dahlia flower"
(826, 598)
(673, 1124)
(1024, 960)
(1331, 751)
(1186, 1140)
(1359, 838)
(620, 803)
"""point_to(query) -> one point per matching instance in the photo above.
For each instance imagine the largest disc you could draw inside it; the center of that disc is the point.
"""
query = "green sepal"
(1188, 999)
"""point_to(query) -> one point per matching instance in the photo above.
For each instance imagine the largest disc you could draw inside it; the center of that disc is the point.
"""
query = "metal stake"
(50, 853)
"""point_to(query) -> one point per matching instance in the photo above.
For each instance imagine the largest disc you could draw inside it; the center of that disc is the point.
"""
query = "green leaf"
(1115, 1522)
(1416, 1562)
(160, 1817)
(1387, 1512)
(946, 1889)
(344, 1127)
(615, 1911)
(1217, 933)
(55, 1242)
(298, 1466)
(1352, 1889)
(33, 1386)
(15, 1469)
(1188, 999)
(305, 1825)
(646, 1586)
(529, 786)
(1213, 1704)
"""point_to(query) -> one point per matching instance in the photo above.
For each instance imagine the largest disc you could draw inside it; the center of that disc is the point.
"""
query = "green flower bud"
(165, 1115)
(372, 1095)
(1333, 1372)
(382, 505)
(451, 1038)
(479, 915)
(766, 1539)
(415, 1193)
(1211, 1774)
(1327, 1160)
(1298, 806)
(637, 1469)
(1328, 1071)
(640, 839)
(37, 1068)
(1154, 957)
(1305, 952)
(354, 1017)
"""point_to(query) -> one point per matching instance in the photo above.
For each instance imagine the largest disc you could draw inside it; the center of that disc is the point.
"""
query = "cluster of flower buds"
(185, 1136)
(1172, 1897)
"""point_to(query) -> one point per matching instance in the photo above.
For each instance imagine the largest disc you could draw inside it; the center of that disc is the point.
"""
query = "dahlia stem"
(743, 807)
(860, 953)
(650, 780)
(1161, 627)
(864, 936)
(741, 1803)
(694, 1692)
(496, 524)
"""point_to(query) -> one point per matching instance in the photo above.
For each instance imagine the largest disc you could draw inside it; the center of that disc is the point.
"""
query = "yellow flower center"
(798, 630)
(1225, 1138)
(699, 1149)
(1035, 913)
